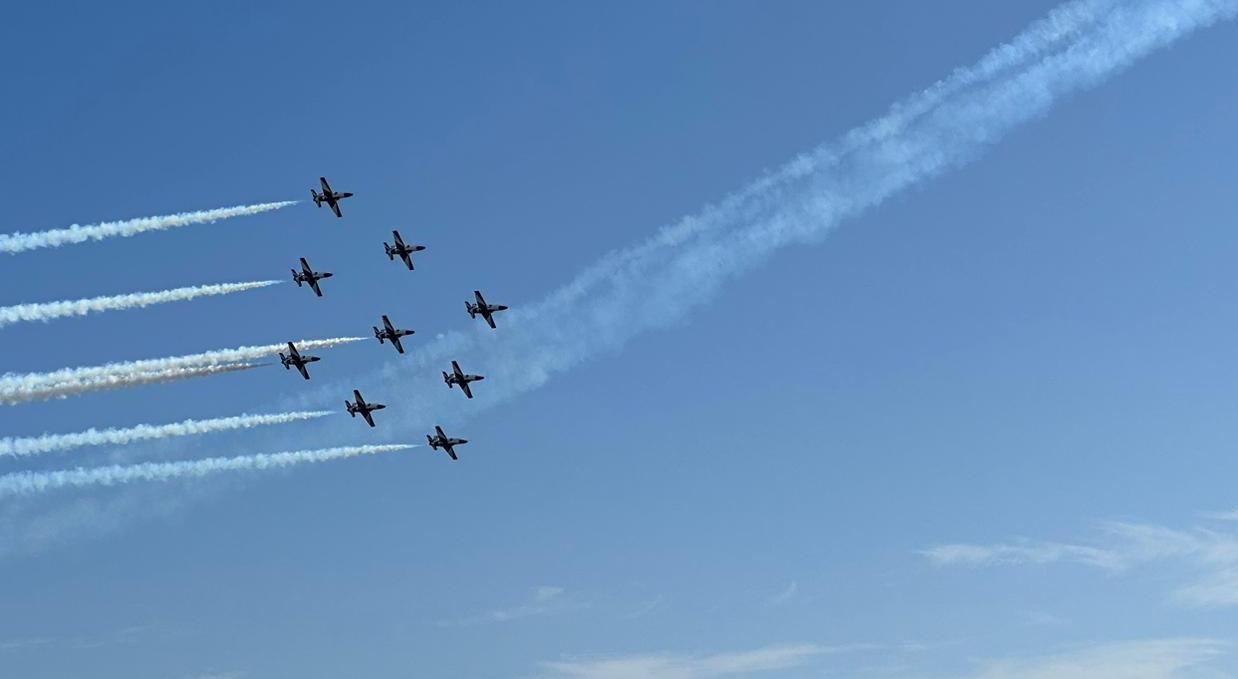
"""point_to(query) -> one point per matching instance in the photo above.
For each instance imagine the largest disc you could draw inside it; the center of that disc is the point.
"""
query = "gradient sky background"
(1013, 356)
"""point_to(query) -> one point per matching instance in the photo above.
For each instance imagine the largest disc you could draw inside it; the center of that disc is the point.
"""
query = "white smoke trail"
(47, 311)
(78, 233)
(683, 266)
(107, 382)
(28, 483)
(48, 443)
(28, 386)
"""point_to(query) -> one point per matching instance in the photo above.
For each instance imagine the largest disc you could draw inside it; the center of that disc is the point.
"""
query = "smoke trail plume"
(28, 483)
(25, 387)
(79, 233)
(683, 266)
(47, 311)
(38, 445)
(108, 382)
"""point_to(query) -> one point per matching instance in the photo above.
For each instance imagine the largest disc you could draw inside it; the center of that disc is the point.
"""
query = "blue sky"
(979, 431)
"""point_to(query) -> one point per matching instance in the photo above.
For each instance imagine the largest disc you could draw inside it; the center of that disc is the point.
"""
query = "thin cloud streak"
(78, 233)
(30, 386)
(49, 443)
(31, 483)
(49, 311)
(122, 381)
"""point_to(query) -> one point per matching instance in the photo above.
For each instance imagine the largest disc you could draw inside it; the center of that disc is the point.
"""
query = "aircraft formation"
(389, 332)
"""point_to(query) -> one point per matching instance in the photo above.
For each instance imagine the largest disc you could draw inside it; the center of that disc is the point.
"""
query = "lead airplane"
(482, 309)
(331, 198)
(402, 250)
(308, 275)
(457, 376)
(294, 357)
(440, 440)
(362, 407)
(391, 333)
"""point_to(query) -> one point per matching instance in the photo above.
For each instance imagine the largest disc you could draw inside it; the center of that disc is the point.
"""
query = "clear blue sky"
(1013, 356)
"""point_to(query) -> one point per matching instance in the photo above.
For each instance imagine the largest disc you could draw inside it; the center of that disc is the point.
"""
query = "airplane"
(457, 376)
(294, 357)
(402, 250)
(362, 407)
(390, 332)
(331, 198)
(440, 440)
(308, 275)
(486, 311)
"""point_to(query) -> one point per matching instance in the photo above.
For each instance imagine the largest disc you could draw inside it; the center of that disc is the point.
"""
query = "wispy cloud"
(545, 599)
(1146, 659)
(788, 593)
(1155, 659)
(668, 666)
(1209, 557)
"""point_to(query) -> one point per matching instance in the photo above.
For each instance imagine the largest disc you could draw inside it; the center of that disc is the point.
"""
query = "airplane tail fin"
(317, 198)
(283, 360)
(295, 279)
(378, 334)
(431, 442)
(447, 380)
(471, 310)
(390, 254)
(348, 407)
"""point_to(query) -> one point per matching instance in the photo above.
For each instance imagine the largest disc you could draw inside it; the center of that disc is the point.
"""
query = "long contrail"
(80, 233)
(28, 386)
(28, 482)
(47, 311)
(49, 443)
(683, 266)
(107, 382)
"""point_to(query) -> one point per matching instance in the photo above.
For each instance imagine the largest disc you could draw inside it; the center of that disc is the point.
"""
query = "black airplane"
(331, 198)
(440, 440)
(294, 357)
(457, 376)
(482, 309)
(362, 407)
(402, 250)
(308, 275)
(392, 333)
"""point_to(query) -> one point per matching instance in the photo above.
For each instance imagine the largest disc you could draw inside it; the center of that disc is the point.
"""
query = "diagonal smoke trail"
(78, 233)
(47, 311)
(28, 386)
(48, 443)
(28, 483)
(108, 382)
(659, 281)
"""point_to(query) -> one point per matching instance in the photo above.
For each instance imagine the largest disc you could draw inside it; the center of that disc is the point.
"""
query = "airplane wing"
(305, 267)
(326, 188)
(304, 371)
(439, 430)
(360, 401)
(464, 386)
(399, 242)
(408, 261)
(395, 340)
(335, 207)
(369, 419)
(387, 324)
(489, 318)
(292, 351)
(451, 451)
(481, 301)
(313, 283)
